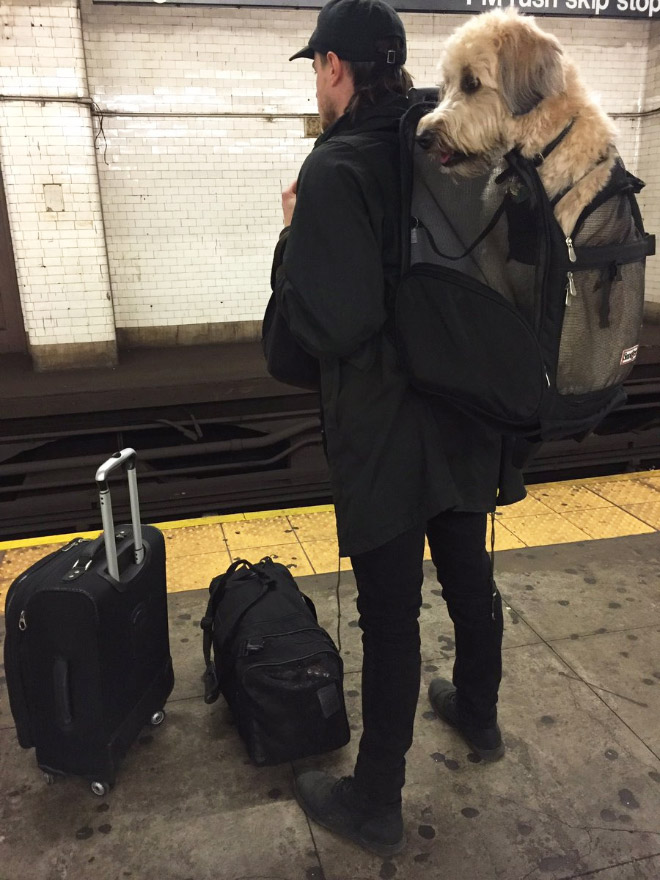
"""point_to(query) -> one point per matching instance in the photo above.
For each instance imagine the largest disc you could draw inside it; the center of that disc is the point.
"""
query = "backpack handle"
(216, 589)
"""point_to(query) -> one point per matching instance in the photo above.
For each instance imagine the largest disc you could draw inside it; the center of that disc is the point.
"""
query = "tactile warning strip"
(305, 538)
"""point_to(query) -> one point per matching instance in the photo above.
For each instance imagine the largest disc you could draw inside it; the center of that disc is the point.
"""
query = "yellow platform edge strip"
(269, 514)
(21, 543)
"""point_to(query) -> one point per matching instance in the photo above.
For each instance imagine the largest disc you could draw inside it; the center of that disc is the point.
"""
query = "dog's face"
(495, 70)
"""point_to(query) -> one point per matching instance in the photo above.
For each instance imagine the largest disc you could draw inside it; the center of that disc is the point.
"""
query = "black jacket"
(396, 457)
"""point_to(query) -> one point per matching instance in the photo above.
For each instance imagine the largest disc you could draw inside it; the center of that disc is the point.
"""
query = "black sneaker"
(336, 805)
(484, 741)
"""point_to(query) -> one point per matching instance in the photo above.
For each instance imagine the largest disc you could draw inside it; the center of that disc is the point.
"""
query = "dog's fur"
(505, 84)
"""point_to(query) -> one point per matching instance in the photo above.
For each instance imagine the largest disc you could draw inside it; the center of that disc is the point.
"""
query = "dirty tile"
(543, 529)
(607, 522)
(561, 497)
(324, 556)
(258, 533)
(626, 492)
(185, 610)
(187, 799)
(649, 512)
(291, 555)
(195, 572)
(542, 811)
(624, 670)
(314, 526)
(15, 562)
(574, 589)
(193, 540)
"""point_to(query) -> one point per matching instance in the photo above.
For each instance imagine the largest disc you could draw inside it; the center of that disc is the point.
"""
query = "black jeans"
(389, 581)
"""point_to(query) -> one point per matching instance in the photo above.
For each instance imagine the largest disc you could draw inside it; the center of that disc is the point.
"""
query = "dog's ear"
(530, 68)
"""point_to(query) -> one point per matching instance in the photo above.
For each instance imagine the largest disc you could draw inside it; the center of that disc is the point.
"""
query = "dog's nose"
(425, 139)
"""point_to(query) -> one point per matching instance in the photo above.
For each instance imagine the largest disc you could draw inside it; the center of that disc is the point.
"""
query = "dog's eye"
(470, 83)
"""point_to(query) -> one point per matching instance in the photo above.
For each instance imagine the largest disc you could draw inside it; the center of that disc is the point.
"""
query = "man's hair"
(375, 80)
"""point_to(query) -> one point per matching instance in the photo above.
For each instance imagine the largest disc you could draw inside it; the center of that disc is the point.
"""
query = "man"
(402, 464)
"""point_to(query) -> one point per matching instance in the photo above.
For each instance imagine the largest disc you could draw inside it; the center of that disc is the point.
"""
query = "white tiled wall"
(203, 127)
(61, 260)
(192, 208)
(649, 167)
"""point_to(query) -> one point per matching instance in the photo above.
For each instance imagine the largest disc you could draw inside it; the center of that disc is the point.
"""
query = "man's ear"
(338, 69)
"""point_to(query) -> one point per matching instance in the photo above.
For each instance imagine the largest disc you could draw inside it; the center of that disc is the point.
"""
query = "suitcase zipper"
(35, 567)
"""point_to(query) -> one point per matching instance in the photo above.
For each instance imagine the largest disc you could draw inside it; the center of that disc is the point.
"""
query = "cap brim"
(307, 52)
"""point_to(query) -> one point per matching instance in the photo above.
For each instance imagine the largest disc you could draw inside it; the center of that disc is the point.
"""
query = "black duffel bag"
(279, 671)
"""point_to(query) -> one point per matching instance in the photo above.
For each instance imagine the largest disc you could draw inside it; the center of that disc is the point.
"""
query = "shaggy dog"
(506, 83)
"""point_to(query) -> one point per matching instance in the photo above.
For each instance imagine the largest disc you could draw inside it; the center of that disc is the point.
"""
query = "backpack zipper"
(571, 250)
(571, 289)
(254, 666)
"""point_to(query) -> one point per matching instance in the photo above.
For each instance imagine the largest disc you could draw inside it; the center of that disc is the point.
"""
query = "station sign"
(641, 9)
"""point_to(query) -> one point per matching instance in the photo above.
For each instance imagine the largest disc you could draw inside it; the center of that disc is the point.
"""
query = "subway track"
(197, 462)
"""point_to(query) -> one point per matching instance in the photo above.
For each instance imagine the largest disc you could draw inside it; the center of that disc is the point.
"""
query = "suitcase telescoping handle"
(126, 459)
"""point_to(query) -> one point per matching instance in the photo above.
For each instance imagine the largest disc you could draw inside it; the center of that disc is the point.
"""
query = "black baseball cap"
(352, 29)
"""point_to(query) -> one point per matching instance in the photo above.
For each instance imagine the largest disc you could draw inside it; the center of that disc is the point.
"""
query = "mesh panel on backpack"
(453, 213)
(604, 306)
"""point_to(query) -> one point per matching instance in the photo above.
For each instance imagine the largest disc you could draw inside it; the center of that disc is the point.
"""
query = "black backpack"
(501, 314)
(278, 670)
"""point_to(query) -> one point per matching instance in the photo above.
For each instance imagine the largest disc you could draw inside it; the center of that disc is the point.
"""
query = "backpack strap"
(594, 257)
(217, 589)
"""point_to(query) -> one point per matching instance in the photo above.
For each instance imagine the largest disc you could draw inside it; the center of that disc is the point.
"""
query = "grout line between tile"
(596, 871)
(606, 633)
(623, 510)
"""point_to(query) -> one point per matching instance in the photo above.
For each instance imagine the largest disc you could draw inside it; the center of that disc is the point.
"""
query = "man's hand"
(289, 202)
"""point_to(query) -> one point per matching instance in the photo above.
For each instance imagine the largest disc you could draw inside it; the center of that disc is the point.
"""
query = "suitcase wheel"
(100, 789)
(49, 778)
(157, 718)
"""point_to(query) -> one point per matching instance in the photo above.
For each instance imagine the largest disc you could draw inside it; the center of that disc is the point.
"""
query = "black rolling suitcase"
(87, 655)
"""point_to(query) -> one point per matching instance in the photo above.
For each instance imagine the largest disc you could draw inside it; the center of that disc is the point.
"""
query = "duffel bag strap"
(216, 589)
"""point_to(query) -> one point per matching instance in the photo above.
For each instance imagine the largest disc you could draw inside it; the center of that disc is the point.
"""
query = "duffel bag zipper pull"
(22, 622)
(571, 289)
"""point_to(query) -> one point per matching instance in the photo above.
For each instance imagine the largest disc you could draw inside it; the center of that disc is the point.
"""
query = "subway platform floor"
(576, 795)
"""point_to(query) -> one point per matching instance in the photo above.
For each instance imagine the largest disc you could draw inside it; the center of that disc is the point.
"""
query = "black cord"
(492, 563)
(338, 602)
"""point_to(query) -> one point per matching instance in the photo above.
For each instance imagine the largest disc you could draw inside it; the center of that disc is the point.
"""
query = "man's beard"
(328, 114)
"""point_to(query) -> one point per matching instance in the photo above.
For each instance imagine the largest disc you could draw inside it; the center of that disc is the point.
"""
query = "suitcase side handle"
(125, 459)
